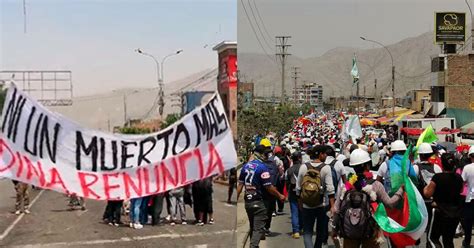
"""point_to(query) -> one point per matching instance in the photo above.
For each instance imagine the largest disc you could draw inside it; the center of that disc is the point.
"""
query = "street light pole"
(393, 71)
(472, 26)
(159, 71)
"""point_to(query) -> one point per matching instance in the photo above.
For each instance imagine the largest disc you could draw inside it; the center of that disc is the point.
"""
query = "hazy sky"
(317, 26)
(96, 39)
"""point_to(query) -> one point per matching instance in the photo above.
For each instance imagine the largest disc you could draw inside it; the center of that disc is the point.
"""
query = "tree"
(170, 120)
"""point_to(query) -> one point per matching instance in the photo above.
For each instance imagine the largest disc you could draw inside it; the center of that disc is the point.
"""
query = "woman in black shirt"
(445, 188)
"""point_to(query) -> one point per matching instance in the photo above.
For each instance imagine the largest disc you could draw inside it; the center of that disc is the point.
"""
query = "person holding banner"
(22, 198)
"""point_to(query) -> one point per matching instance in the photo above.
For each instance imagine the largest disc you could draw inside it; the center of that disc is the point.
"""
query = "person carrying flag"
(357, 197)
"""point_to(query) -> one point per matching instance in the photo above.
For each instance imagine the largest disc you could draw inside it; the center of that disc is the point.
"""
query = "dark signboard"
(450, 27)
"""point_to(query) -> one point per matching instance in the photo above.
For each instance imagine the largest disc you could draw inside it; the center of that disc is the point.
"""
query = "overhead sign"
(45, 149)
(450, 27)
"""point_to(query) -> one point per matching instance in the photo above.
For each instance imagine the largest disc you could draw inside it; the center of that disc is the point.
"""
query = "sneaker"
(131, 225)
(138, 226)
(296, 235)
(26, 211)
(274, 214)
(211, 222)
(111, 224)
(267, 231)
(116, 224)
(17, 212)
(172, 223)
(199, 223)
(168, 218)
(184, 223)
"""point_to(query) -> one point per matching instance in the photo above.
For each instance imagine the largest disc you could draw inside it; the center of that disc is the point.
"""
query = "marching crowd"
(332, 181)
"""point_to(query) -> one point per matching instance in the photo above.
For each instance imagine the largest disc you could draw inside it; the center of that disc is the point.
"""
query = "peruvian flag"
(407, 223)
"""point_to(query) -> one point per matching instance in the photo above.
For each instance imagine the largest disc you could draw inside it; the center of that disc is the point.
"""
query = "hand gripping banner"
(47, 150)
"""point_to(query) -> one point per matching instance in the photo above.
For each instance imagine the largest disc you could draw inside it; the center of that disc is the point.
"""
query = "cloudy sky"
(96, 39)
(317, 26)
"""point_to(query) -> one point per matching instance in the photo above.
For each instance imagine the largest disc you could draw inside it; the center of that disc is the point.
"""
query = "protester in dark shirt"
(445, 188)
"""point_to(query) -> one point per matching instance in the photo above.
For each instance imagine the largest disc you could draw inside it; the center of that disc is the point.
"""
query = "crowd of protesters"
(324, 174)
(142, 211)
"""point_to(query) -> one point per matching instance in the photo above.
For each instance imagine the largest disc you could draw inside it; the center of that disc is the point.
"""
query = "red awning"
(417, 131)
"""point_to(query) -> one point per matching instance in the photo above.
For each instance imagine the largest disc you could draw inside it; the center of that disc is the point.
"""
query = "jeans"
(113, 211)
(270, 206)
(467, 225)
(156, 209)
(177, 204)
(310, 215)
(143, 216)
(135, 210)
(443, 226)
(257, 214)
(296, 216)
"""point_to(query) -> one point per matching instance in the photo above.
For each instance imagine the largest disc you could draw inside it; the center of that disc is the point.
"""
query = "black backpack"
(424, 168)
(355, 220)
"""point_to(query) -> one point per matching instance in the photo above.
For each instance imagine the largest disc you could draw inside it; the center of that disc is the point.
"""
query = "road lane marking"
(12, 225)
(123, 239)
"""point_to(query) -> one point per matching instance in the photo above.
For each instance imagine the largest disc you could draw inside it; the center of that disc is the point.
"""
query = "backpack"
(424, 168)
(311, 187)
(354, 220)
(335, 181)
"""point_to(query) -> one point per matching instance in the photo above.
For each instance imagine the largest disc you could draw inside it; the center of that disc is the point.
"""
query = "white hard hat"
(471, 150)
(398, 145)
(425, 148)
(283, 143)
(359, 156)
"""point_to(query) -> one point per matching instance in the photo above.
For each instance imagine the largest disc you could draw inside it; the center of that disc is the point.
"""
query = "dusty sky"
(96, 39)
(317, 26)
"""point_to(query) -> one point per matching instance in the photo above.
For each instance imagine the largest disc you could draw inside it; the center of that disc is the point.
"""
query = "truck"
(437, 123)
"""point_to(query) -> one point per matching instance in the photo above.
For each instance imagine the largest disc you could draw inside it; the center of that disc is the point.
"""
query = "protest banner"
(45, 149)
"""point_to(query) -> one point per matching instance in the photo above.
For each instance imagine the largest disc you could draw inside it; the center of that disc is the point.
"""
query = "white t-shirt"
(468, 177)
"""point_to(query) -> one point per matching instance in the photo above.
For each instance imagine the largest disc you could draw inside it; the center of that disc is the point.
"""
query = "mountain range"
(411, 56)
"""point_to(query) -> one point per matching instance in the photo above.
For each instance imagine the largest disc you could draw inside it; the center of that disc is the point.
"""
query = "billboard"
(229, 70)
(450, 27)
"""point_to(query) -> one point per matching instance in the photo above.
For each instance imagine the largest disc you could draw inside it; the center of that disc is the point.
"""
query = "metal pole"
(393, 71)
(125, 110)
(393, 91)
(472, 26)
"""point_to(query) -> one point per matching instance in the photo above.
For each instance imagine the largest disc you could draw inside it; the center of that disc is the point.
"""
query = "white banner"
(45, 149)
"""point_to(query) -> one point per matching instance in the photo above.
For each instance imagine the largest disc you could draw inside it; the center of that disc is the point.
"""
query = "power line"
(261, 20)
(255, 32)
(258, 26)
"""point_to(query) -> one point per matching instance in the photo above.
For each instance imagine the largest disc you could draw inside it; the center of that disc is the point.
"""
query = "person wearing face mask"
(255, 180)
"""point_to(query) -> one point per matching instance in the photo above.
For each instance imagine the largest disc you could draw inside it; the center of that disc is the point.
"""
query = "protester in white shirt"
(468, 177)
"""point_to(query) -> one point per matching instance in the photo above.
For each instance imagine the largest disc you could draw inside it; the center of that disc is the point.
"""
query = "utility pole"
(393, 90)
(282, 52)
(295, 81)
(125, 119)
(180, 101)
(365, 98)
(375, 89)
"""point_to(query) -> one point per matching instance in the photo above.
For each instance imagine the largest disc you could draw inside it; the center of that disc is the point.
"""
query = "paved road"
(51, 224)
(281, 232)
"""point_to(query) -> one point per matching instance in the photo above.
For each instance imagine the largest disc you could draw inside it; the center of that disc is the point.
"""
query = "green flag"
(428, 136)
(355, 70)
